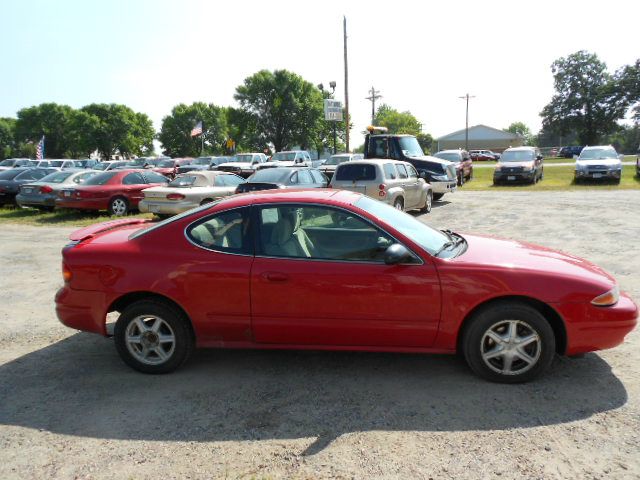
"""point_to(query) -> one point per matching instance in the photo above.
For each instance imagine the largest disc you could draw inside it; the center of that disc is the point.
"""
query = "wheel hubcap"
(150, 340)
(119, 207)
(398, 206)
(510, 347)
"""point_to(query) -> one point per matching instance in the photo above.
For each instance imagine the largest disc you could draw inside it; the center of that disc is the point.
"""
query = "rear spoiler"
(93, 230)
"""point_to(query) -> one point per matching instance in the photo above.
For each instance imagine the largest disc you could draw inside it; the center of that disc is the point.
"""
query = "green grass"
(63, 218)
(556, 178)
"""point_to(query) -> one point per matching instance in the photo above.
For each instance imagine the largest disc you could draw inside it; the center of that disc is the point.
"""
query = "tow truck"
(441, 174)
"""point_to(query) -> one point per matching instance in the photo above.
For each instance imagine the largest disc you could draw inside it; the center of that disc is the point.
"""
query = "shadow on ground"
(80, 387)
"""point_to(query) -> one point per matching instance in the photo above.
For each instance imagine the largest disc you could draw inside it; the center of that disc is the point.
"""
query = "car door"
(408, 185)
(319, 278)
(415, 186)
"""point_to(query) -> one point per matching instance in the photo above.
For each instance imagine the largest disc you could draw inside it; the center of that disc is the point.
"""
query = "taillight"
(66, 273)
(46, 189)
(382, 191)
(175, 196)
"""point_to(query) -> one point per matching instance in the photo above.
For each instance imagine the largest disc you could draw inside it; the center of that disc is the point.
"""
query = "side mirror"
(395, 254)
(539, 157)
(422, 174)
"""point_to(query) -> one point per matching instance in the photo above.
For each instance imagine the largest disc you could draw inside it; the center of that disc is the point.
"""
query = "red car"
(169, 166)
(117, 191)
(333, 270)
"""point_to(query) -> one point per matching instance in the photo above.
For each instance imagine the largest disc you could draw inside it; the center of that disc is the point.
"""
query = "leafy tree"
(118, 129)
(426, 142)
(520, 128)
(626, 139)
(7, 142)
(175, 133)
(285, 109)
(80, 134)
(628, 85)
(397, 122)
(586, 98)
(243, 130)
(48, 119)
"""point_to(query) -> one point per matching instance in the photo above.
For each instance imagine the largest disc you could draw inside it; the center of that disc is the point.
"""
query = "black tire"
(428, 202)
(470, 174)
(398, 204)
(437, 196)
(205, 201)
(175, 324)
(500, 317)
(461, 179)
(118, 206)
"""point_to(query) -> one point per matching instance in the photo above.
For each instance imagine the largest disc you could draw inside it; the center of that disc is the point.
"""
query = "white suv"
(598, 162)
(390, 181)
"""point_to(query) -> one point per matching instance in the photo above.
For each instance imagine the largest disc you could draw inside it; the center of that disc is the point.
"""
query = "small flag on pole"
(40, 149)
(197, 130)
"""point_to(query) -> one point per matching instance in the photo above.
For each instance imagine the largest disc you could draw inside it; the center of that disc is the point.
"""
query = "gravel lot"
(69, 408)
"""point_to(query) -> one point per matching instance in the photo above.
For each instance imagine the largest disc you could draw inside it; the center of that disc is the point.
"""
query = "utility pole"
(466, 128)
(373, 97)
(346, 84)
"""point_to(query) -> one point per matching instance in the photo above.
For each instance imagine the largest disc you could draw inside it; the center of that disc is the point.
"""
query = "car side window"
(413, 175)
(402, 172)
(304, 177)
(228, 180)
(380, 147)
(390, 171)
(318, 177)
(319, 233)
(227, 232)
(153, 177)
(133, 179)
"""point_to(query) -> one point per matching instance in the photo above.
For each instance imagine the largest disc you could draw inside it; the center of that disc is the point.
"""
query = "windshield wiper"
(453, 242)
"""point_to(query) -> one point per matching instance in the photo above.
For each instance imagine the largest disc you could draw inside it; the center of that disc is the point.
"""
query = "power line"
(466, 129)
(373, 97)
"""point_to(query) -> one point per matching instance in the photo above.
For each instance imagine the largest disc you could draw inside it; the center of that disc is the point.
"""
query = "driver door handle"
(275, 276)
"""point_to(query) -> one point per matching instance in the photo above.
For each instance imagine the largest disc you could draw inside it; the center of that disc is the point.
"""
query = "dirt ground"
(69, 408)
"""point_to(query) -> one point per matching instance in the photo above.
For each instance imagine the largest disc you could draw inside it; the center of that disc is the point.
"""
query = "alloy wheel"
(150, 339)
(510, 347)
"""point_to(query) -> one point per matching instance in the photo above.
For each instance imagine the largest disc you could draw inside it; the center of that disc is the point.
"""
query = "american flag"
(40, 149)
(197, 130)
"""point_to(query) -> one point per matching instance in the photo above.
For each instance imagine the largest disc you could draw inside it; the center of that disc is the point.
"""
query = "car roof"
(453, 150)
(310, 195)
(593, 147)
(523, 148)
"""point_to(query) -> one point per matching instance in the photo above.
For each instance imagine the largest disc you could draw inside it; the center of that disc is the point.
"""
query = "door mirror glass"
(395, 254)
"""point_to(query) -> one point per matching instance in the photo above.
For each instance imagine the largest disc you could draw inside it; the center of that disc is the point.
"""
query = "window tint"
(349, 172)
(133, 179)
(320, 233)
(304, 178)
(402, 172)
(153, 177)
(390, 171)
(226, 232)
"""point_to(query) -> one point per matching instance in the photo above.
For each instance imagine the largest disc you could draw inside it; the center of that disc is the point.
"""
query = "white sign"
(333, 110)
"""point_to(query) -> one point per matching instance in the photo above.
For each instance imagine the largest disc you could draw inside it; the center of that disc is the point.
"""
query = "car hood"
(236, 165)
(605, 161)
(512, 255)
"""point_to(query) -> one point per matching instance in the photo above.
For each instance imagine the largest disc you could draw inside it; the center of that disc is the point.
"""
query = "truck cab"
(441, 174)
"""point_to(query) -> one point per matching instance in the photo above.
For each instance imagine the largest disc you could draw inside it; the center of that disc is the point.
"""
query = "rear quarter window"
(351, 172)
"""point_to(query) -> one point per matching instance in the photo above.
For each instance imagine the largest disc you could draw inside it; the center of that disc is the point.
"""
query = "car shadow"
(78, 386)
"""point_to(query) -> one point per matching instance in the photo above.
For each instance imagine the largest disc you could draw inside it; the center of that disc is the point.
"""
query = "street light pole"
(333, 90)
(346, 84)
(466, 128)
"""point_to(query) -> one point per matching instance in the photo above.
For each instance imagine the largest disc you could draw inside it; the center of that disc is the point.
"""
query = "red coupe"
(169, 166)
(333, 270)
(117, 191)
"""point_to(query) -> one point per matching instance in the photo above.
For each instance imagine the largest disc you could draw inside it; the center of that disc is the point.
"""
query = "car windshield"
(10, 174)
(55, 163)
(598, 154)
(284, 156)
(57, 177)
(138, 162)
(24, 163)
(152, 161)
(100, 178)
(410, 147)
(101, 166)
(336, 159)
(166, 163)
(7, 163)
(243, 158)
(517, 156)
(182, 181)
(451, 156)
(202, 161)
(270, 175)
(430, 239)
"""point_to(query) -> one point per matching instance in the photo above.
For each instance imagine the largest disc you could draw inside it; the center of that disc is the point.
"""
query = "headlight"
(441, 178)
(607, 299)
(527, 169)
(498, 167)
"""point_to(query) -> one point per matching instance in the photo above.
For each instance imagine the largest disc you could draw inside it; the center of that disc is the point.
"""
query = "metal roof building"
(481, 137)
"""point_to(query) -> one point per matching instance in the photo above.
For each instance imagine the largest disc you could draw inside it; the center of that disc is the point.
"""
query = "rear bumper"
(591, 328)
(35, 200)
(165, 208)
(82, 310)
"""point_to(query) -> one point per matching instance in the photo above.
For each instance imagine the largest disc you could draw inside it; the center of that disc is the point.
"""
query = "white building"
(481, 137)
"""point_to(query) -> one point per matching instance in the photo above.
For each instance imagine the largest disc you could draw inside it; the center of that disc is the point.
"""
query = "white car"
(599, 162)
(330, 164)
(188, 191)
(292, 158)
(244, 164)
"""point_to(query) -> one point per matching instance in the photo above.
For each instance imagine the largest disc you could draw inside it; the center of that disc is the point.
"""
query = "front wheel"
(461, 179)
(428, 202)
(398, 204)
(118, 206)
(153, 337)
(509, 343)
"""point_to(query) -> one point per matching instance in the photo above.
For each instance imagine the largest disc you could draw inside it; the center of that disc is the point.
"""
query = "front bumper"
(165, 208)
(444, 187)
(591, 328)
(514, 177)
(598, 174)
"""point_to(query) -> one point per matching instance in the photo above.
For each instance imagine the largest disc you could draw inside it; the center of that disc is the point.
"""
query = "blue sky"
(152, 55)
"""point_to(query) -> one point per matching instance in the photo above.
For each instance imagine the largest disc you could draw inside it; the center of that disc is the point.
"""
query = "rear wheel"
(153, 337)
(428, 202)
(509, 343)
(118, 206)
(398, 204)
(437, 196)
(461, 178)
